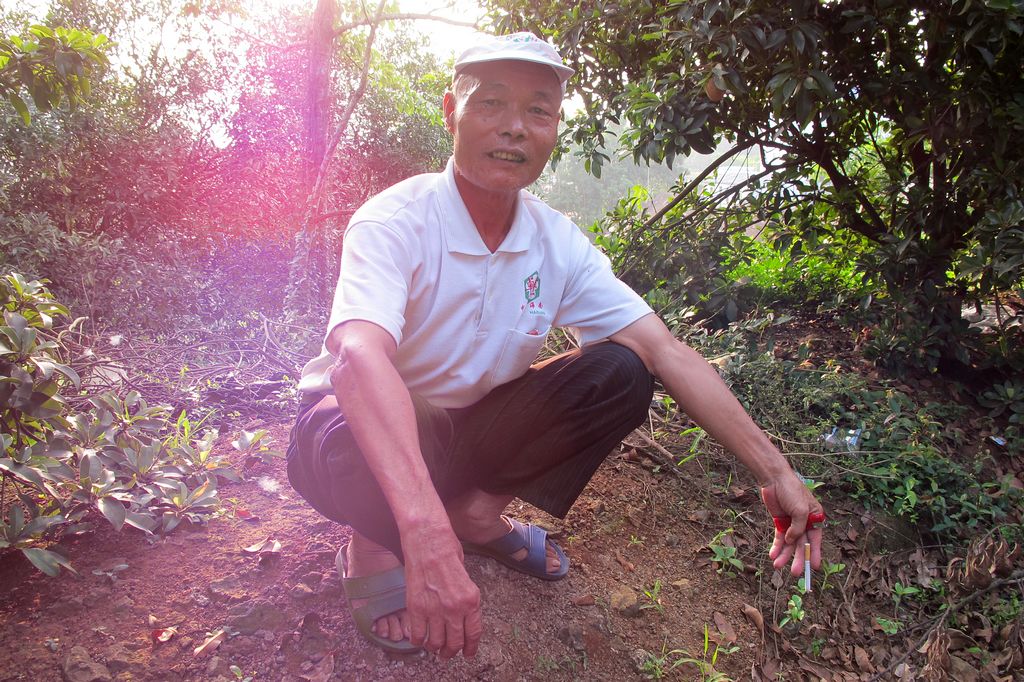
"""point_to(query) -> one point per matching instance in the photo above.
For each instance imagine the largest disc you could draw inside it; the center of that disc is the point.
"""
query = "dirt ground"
(640, 590)
(254, 595)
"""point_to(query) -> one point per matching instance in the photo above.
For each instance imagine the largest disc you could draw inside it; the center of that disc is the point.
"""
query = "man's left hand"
(788, 496)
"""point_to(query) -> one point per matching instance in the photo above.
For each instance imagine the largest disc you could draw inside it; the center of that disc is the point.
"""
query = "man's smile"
(508, 156)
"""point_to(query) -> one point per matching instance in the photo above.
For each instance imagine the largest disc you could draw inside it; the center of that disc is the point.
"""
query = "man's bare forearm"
(705, 398)
(379, 410)
(442, 603)
(702, 394)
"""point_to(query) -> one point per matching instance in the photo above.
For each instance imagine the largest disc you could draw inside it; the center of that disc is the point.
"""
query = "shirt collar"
(461, 235)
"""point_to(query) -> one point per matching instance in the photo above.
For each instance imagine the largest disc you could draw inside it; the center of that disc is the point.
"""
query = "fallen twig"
(660, 454)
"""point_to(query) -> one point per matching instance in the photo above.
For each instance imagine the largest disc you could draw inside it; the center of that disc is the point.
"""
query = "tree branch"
(350, 107)
(299, 268)
(402, 16)
(659, 454)
(685, 191)
(732, 189)
(698, 210)
(874, 229)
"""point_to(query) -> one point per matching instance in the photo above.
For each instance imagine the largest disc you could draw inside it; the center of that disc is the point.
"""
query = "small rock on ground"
(573, 636)
(625, 602)
(301, 592)
(218, 666)
(67, 606)
(79, 667)
(262, 616)
(226, 589)
(118, 658)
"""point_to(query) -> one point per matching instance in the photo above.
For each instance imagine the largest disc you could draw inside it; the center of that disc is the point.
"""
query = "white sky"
(445, 39)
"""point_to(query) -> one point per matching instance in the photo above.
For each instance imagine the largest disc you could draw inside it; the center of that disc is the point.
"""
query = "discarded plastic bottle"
(998, 442)
(843, 439)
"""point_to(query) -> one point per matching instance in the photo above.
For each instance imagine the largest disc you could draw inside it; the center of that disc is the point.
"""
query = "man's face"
(504, 118)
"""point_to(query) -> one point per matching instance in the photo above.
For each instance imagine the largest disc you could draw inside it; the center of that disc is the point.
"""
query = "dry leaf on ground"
(863, 660)
(755, 617)
(268, 546)
(211, 643)
(725, 627)
(161, 635)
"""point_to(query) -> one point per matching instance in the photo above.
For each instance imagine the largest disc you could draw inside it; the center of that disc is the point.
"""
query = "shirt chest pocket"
(517, 354)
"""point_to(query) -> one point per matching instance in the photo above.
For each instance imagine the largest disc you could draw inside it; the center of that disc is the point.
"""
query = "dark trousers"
(539, 437)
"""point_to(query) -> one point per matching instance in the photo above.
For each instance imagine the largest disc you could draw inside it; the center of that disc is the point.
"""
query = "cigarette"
(807, 567)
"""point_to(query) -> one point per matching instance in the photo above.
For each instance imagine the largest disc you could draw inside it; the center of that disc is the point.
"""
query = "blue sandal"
(384, 594)
(534, 540)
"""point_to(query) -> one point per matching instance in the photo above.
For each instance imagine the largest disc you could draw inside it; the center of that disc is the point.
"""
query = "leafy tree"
(50, 64)
(178, 186)
(887, 128)
(389, 137)
(105, 200)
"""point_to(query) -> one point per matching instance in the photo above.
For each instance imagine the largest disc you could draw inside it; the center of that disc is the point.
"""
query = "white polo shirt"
(467, 320)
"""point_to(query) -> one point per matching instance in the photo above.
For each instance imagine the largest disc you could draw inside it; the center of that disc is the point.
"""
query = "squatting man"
(425, 414)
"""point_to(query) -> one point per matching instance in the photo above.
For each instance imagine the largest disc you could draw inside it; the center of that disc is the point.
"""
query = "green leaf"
(90, 467)
(63, 62)
(113, 510)
(144, 523)
(41, 31)
(19, 106)
(40, 524)
(986, 55)
(47, 367)
(17, 520)
(170, 522)
(16, 322)
(46, 561)
(41, 95)
(200, 492)
(22, 471)
(43, 406)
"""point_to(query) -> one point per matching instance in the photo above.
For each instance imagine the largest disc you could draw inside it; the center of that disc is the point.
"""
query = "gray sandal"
(534, 540)
(384, 593)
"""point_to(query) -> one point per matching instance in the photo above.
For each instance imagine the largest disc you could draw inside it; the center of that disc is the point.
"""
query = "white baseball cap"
(521, 46)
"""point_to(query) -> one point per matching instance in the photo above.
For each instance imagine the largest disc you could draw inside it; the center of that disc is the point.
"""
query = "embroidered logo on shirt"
(531, 287)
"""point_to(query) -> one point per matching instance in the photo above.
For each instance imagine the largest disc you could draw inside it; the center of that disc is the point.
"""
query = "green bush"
(788, 276)
(67, 461)
(909, 459)
(103, 278)
(155, 285)
(678, 265)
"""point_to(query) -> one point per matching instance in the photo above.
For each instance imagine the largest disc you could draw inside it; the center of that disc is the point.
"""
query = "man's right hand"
(442, 603)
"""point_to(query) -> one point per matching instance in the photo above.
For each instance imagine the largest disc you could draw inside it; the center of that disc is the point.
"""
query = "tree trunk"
(317, 116)
(317, 109)
(302, 296)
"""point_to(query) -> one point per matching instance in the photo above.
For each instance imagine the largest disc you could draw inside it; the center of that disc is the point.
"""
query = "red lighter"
(782, 523)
